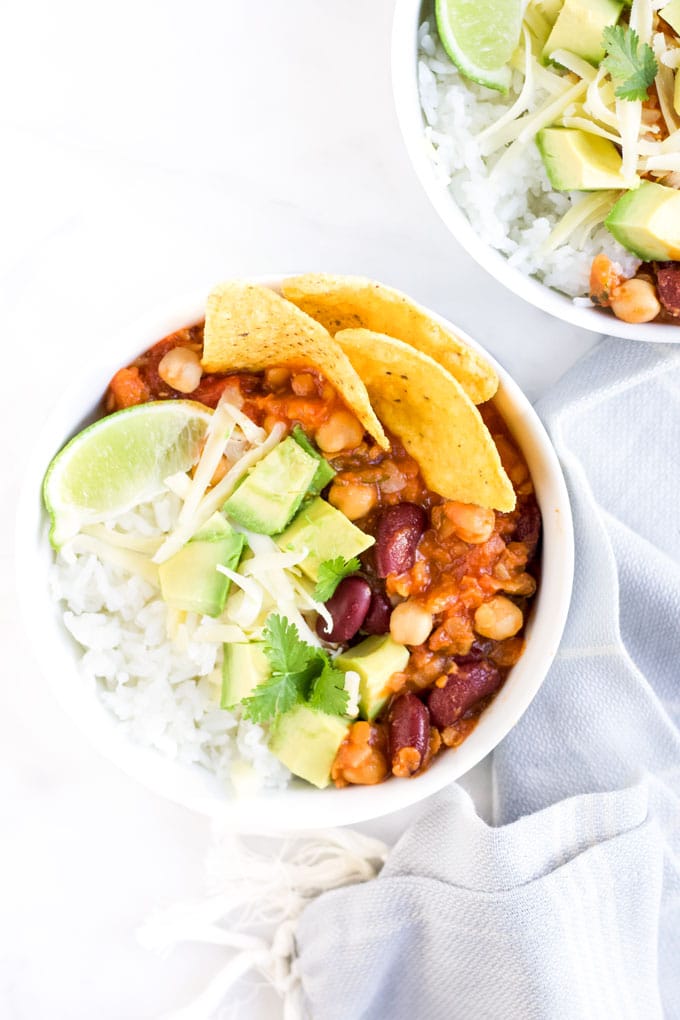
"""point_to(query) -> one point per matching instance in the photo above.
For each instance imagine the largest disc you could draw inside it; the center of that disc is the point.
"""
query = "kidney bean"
(480, 648)
(668, 286)
(408, 729)
(348, 607)
(377, 619)
(399, 530)
(528, 528)
(461, 691)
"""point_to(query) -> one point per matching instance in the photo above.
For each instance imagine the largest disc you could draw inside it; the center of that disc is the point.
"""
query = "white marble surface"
(150, 149)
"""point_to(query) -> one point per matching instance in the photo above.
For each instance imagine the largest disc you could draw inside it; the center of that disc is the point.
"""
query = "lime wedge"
(480, 36)
(120, 461)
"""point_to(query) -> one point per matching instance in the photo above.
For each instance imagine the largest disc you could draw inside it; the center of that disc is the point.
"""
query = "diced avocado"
(375, 660)
(307, 741)
(190, 579)
(549, 9)
(579, 28)
(578, 161)
(324, 473)
(325, 533)
(647, 222)
(671, 15)
(244, 667)
(274, 489)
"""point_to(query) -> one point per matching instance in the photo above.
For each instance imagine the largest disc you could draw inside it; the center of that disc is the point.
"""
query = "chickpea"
(342, 431)
(635, 301)
(410, 623)
(270, 421)
(474, 524)
(498, 619)
(354, 500)
(303, 384)
(181, 369)
(276, 378)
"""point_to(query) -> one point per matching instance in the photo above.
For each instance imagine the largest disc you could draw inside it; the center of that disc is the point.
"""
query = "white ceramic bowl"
(408, 16)
(300, 806)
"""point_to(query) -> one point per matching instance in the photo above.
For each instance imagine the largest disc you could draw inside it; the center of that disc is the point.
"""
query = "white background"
(151, 149)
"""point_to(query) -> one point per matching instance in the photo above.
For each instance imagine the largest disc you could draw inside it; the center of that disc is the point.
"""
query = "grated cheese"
(126, 559)
(215, 498)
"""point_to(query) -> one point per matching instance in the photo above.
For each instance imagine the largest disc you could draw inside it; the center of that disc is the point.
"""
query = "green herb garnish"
(328, 693)
(631, 64)
(299, 672)
(331, 573)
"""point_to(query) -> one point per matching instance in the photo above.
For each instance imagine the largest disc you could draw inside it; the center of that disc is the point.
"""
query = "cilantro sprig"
(631, 64)
(328, 692)
(331, 573)
(299, 673)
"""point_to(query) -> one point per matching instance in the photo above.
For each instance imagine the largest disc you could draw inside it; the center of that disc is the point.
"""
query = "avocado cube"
(579, 27)
(190, 580)
(375, 660)
(324, 473)
(578, 161)
(647, 222)
(244, 667)
(326, 533)
(307, 741)
(274, 489)
(550, 9)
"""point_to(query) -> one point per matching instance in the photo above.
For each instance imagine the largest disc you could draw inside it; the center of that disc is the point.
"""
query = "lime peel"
(480, 36)
(120, 461)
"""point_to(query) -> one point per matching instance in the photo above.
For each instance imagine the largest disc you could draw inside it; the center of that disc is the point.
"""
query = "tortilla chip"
(422, 404)
(349, 302)
(251, 327)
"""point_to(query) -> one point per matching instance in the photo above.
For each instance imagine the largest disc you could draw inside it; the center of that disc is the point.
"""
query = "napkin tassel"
(258, 896)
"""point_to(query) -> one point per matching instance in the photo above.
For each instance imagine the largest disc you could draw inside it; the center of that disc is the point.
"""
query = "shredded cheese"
(218, 434)
(132, 562)
(588, 210)
(527, 127)
(147, 544)
(523, 101)
(215, 498)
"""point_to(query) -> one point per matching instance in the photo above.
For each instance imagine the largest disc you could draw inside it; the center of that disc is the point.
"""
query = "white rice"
(165, 693)
(516, 211)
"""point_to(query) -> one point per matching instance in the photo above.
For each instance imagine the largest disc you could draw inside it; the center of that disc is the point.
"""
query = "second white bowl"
(408, 17)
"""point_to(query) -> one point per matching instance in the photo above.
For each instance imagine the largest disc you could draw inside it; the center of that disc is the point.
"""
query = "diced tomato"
(603, 280)
(127, 388)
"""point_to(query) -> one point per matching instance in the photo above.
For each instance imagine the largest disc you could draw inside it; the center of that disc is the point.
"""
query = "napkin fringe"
(252, 911)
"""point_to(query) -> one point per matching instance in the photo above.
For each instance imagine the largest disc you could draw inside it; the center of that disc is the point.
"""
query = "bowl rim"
(404, 67)
(299, 807)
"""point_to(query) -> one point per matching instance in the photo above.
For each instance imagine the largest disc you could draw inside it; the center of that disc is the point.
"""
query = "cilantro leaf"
(631, 65)
(274, 696)
(299, 673)
(283, 646)
(331, 573)
(292, 663)
(328, 693)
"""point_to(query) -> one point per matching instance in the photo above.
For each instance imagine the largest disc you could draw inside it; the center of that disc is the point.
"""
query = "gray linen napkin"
(572, 911)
